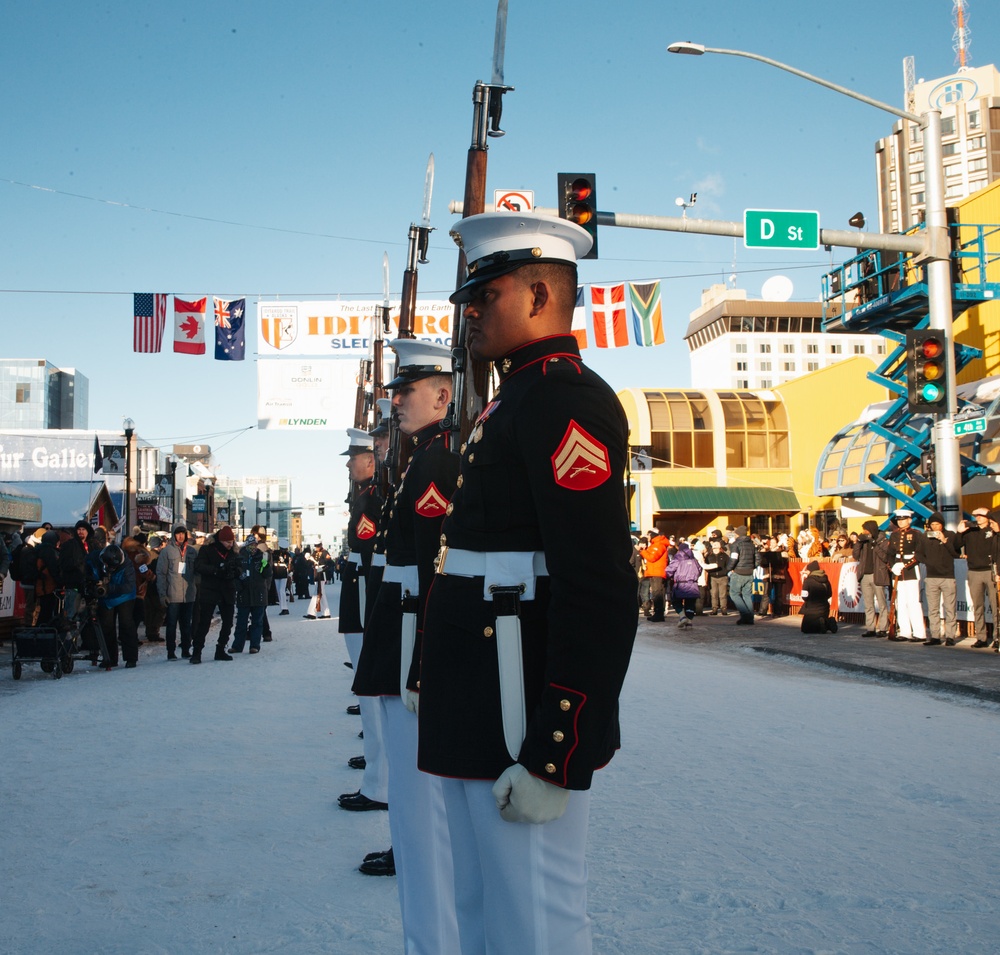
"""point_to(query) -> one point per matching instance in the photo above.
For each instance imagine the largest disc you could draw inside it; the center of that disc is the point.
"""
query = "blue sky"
(283, 146)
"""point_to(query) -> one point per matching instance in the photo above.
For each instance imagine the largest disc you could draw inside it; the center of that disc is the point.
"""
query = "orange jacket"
(655, 557)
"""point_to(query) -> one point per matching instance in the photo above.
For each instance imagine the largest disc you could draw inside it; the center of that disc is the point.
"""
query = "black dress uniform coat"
(362, 529)
(542, 471)
(411, 537)
(906, 548)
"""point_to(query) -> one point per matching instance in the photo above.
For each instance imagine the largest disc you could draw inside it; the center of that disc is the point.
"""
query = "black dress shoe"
(357, 762)
(869, 633)
(979, 644)
(130, 664)
(380, 865)
(358, 802)
(932, 642)
(376, 855)
(354, 710)
(171, 656)
(949, 641)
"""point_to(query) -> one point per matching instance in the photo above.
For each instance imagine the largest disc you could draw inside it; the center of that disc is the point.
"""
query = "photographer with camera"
(940, 550)
(218, 567)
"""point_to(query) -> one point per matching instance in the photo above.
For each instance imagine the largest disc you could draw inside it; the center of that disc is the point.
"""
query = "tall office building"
(969, 102)
(36, 395)
(750, 344)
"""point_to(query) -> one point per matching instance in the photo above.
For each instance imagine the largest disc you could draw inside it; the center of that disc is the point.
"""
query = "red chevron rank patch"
(581, 461)
(431, 503)
(366, 528)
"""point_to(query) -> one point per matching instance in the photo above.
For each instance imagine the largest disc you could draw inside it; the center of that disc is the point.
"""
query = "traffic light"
(577, 192)
(322, 509)
(926, 372)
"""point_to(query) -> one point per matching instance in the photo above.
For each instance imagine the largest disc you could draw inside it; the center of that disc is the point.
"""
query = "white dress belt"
(497, 568)
(378, 560)
(405, 575)
(353, 558)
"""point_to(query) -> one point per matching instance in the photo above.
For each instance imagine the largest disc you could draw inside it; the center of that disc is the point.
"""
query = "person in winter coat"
(652, 587)
(684, 571)
(217, 565)
(114, 608)
(73, 566)
(816, 594)
(136, 551)
(742, 561)
(870, 551)
(717, 564)
(251, 593)
(48, 579)
(940, 551)
(176, 587)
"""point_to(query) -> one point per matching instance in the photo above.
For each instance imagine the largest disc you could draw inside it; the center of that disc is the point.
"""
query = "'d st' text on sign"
(780, 229)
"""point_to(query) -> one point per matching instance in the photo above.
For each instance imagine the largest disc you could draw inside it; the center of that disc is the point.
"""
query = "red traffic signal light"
(577, 193)
(926, 372)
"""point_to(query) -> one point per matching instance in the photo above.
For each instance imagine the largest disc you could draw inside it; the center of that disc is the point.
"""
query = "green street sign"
(972, 426)
(780, 229)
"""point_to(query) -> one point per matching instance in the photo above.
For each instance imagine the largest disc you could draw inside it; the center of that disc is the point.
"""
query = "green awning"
(728, 500)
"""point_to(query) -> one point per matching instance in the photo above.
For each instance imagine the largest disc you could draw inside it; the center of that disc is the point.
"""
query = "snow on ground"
(756, 806)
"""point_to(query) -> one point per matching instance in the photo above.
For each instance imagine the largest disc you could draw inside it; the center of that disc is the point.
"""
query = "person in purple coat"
(684, 570)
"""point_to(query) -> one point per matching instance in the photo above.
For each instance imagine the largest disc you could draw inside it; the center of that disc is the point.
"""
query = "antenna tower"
(961, 38)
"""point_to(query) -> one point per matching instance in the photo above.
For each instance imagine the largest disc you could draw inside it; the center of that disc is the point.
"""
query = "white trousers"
(375, 784)
(281, 586)
(521, 889)
(909, 610)
(420, 844)
(318, 605)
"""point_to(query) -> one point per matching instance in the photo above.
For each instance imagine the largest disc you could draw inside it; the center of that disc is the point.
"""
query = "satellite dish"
(778, 288)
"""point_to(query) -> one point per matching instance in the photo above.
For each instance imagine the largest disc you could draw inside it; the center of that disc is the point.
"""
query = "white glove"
(897, 568)
(412, 701)
(522, 797)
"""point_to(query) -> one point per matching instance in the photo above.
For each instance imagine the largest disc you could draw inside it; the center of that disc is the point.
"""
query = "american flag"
(150, 311)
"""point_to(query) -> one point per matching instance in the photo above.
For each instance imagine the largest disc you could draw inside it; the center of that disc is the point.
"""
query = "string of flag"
(622, 314)
(190, 318)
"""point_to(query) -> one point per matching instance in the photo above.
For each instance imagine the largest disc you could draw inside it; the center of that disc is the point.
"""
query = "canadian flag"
(610, 315)
(189, 326)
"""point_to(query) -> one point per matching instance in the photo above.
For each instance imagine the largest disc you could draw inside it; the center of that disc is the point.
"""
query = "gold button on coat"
(460, 481)
(472, 457)
(449, 509)
(558, 736)
(550, 767)
(487, 631)
(564, 705)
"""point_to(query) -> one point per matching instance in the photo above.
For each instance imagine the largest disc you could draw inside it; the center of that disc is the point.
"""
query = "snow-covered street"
(756, 806)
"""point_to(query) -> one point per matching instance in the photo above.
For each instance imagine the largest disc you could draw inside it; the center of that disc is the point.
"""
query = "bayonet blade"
(499, 43)
(385, 279)
(428, 190)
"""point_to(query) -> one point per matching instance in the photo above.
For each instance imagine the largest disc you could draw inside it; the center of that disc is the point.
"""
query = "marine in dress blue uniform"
(362, 528)
(531, 618)
(417, 824)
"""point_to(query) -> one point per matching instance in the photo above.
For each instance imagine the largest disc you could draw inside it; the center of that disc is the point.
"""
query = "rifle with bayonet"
(487, 108)
(416, 252)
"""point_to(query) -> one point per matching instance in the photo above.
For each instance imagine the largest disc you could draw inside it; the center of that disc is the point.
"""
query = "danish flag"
(431, 503)
(581, 461)
(365, 529)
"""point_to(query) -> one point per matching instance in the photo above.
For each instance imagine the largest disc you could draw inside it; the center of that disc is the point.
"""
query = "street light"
(936, 255)
(129, 427)
(172, 461)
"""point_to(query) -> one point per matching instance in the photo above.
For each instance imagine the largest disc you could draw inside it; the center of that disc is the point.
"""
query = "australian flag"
(230, 329)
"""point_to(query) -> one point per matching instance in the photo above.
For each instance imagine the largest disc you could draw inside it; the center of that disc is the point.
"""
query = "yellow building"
(703, 458)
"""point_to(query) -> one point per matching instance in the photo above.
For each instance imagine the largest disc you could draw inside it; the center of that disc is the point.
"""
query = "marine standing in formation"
(527, 635)
(906, 551)
(365, 510)
(417, 824)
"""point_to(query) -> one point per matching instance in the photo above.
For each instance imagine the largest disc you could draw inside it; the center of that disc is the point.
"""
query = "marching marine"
(906, 553)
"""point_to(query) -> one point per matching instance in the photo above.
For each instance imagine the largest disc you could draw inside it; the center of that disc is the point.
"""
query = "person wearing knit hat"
(816, 594)
(870, 551)
(940, 553)
(217, 565)
(981, 543)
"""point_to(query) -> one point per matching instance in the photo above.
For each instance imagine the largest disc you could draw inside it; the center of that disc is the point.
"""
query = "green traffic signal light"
(926, 372)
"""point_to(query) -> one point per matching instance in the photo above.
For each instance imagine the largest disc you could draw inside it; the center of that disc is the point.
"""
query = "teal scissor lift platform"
(886, 293)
